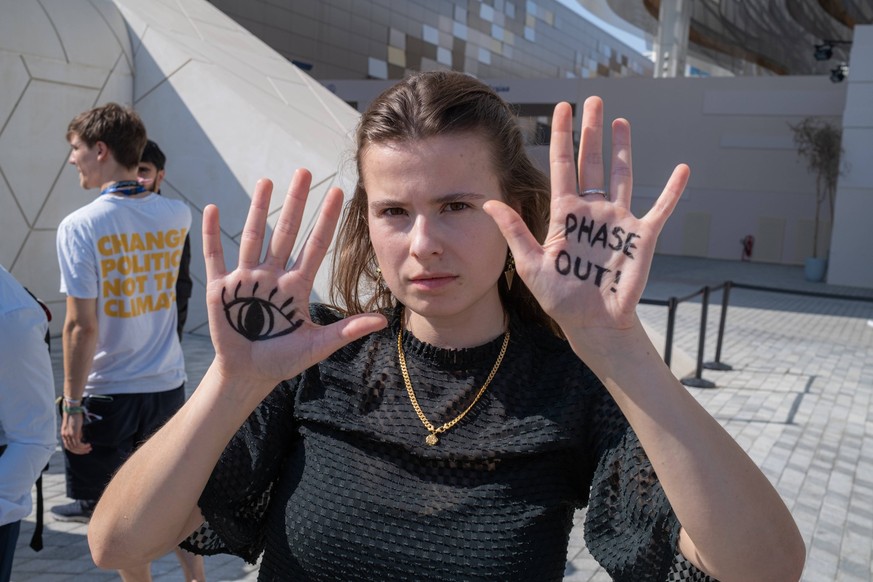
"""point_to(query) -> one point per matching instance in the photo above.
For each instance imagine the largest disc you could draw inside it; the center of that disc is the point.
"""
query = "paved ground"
(798, 399)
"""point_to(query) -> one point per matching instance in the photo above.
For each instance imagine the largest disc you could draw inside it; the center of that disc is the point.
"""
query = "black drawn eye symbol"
(256, 319)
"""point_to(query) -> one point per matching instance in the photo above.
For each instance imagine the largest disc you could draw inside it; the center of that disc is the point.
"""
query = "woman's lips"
(431, 282)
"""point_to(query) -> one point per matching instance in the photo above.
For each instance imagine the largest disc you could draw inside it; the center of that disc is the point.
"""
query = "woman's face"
(439, 253)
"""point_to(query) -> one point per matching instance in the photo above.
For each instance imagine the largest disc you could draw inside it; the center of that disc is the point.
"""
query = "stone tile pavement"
(65, 555)
(797, 398)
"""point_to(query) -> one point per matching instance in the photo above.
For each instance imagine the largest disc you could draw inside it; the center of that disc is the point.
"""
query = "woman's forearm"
(736, 527)
(151, 503)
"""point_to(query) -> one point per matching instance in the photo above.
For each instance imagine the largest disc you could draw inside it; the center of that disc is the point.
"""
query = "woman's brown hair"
(422, 106)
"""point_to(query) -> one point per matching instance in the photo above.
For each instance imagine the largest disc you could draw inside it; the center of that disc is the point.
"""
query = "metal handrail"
(673, 302)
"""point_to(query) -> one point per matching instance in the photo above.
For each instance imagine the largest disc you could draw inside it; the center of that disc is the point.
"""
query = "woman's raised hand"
(259, 312)
(592, 269)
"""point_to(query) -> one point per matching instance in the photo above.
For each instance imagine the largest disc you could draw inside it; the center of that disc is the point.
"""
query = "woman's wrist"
(243, 391)
(607, 343)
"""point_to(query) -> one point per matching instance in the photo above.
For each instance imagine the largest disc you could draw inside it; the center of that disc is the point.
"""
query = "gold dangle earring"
(380, 283)
(509, 270)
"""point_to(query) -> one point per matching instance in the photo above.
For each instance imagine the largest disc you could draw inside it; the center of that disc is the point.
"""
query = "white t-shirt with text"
(125, 252)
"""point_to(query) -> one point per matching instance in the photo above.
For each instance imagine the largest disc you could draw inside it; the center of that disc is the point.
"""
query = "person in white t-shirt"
(27, 412)
(119, 258)
(150, 173)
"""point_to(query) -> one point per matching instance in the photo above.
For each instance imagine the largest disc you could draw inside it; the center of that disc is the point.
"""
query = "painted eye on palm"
(259, 319)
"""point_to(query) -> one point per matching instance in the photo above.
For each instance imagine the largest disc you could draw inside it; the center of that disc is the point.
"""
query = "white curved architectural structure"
(56, 59)
(223, 106)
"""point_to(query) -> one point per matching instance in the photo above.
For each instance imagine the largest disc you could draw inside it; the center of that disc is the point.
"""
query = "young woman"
(445, 421)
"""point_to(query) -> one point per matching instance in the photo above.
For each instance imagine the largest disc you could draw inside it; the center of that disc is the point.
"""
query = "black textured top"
(330, 477)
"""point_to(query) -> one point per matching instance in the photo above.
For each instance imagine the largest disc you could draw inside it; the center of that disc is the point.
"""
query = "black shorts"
(119, 423)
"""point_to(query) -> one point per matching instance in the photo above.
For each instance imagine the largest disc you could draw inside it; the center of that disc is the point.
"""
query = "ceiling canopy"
(763, 36)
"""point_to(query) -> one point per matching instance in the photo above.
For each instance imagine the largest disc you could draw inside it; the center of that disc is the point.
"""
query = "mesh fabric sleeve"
(235, 499)
(630, 528)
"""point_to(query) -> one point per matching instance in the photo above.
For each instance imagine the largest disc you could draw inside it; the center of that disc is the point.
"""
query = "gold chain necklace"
(432, 439)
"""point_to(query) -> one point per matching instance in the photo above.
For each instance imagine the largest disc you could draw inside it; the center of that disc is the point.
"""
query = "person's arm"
(27, 412)
(79, 337)
(169, 472)
(734, 524)
(589, 276)
(252, 355)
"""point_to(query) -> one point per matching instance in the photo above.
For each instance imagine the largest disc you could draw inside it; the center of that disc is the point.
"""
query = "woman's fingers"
(561, 162)
(318, 241)
(621, 179)
(349, 329)
(663, 208)
(213, 253)
(521, 242)
(290, 217)
(252, 240)
(285, 232)
(591, 145)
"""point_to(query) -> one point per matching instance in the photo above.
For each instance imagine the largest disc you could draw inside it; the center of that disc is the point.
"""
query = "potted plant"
(819, 143)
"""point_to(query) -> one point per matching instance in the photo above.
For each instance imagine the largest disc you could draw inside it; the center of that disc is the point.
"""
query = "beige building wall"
(746, 177)
(849, 262)
(745, 171)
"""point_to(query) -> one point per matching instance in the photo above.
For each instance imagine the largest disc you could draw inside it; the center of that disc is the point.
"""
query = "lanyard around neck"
(125, 188)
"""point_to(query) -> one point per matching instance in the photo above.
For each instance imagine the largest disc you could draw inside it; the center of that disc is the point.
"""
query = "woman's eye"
(259, 319)
(456, 206)
(393, 212)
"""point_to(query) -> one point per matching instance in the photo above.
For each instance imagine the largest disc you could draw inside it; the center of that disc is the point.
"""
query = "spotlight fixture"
(824, 51)
(839, 73)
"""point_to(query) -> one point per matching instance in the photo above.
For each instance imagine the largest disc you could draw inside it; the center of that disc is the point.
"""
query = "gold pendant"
(431, 439)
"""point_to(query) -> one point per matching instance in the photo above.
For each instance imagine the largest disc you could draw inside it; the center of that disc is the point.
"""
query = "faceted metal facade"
(758, 36)
(386, 39)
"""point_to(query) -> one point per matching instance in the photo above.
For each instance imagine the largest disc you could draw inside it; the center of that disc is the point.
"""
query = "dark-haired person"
(483, 374)
(150, 173)
(119, 256)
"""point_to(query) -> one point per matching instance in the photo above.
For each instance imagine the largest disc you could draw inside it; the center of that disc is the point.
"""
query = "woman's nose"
(425, 238)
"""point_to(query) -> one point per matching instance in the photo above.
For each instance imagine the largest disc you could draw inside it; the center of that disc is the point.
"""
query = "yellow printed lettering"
(163, 302)
(140, 305)
(106, 265)
(175, 237)
(110, 308)
(136, 243)
(104, 246)
(112, 288)
(155, 240)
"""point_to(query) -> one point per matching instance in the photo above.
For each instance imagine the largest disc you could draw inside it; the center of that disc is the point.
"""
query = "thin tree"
(819, 143)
